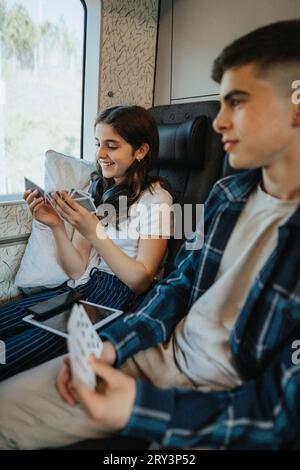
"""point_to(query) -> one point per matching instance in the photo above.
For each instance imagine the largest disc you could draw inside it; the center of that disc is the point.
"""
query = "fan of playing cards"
(83, 341)
(81, 197)
(84, 199)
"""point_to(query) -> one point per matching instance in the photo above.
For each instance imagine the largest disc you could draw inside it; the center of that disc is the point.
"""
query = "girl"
(130, 242)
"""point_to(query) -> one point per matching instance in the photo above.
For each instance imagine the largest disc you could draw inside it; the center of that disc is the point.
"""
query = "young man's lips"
(228, 144)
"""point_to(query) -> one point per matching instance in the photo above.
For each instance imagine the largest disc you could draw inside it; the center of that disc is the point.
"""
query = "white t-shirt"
(150, 215)
(201, 339)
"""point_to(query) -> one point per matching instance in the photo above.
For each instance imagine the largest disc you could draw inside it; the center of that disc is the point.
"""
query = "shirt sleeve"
(262, 413)
(156, 215)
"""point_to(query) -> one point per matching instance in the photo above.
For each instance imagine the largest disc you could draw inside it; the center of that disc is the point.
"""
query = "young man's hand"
(108, 354)
(110, 405)
(64, 383)
(64, 378)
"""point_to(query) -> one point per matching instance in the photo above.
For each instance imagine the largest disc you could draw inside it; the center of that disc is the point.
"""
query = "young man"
(207, 361)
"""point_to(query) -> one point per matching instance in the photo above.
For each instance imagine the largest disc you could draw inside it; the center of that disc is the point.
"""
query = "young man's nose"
(221, 122)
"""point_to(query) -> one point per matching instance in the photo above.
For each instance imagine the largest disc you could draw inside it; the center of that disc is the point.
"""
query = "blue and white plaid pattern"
(262, 413)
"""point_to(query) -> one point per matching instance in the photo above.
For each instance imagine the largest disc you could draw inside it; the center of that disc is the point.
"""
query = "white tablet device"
(99, 315)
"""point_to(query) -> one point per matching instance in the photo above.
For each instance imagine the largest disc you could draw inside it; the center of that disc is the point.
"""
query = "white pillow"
(39, 266)
(64, 172)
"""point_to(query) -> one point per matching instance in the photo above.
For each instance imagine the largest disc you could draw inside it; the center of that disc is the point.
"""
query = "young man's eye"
(235, 102)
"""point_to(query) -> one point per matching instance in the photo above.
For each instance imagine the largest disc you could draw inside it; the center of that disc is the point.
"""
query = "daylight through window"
(41, 60)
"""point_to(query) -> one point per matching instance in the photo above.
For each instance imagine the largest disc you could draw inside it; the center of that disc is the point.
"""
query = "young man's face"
(255, 119)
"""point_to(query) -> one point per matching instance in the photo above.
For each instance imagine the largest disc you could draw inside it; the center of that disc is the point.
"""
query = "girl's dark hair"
(136, 126)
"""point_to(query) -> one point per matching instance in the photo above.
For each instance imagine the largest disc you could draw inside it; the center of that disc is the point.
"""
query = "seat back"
(228, 170)
(190, 154)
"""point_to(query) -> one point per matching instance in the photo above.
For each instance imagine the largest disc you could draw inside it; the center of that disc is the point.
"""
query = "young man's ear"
(296, 115)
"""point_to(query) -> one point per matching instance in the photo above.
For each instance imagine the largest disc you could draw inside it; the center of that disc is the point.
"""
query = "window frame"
(90, 84)
(91, 75)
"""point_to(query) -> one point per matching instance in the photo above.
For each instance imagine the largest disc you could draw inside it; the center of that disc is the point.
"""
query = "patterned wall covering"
(10, 258)
(128, 51)
(15, 219)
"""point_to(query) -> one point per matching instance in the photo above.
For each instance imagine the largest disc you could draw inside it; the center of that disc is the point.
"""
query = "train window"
(41, 85)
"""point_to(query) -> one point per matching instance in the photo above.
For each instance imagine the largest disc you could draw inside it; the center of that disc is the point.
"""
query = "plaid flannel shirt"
(263, 412)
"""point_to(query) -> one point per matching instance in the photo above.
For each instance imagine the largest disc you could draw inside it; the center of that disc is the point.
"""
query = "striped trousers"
(27, 346)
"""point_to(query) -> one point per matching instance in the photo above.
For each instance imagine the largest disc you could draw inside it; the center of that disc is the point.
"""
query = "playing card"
(76, 193)
(30, 185)
(87, 203)
(84, 193)
(52, 203)
(84, 199)
(83, 341)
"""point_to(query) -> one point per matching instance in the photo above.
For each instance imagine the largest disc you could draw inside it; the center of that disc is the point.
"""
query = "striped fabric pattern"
(262, 413)
(28, 346)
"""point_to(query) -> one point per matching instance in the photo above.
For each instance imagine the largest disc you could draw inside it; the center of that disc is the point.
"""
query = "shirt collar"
(236, 188)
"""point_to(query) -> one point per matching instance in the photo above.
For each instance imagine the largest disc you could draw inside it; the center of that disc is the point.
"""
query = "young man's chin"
(239, 163)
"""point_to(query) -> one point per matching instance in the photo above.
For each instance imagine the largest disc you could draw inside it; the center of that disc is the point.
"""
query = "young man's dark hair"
(274, 44)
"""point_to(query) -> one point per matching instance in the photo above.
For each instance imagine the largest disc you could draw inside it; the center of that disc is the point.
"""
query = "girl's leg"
(102, 288)
(11, 314)
(28, 346)
(29, 349)
(106, 289)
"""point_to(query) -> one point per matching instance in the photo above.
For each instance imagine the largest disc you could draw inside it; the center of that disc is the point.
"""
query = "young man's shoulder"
(236, 187)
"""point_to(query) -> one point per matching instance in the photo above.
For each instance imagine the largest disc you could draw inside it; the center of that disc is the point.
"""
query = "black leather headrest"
(227, 168)
(183, 144)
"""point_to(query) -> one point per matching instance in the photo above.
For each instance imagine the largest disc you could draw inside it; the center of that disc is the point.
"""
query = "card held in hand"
(83, 341)
(84, 199)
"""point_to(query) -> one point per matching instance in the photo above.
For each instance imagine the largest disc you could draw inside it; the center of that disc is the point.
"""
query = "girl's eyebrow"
(109, 140)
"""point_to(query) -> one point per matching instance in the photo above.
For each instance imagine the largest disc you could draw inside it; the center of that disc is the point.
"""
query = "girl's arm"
(137, 273)
(73, 255)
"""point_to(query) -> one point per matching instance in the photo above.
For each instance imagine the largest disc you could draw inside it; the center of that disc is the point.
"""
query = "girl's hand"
(81, 219)
(41, 210)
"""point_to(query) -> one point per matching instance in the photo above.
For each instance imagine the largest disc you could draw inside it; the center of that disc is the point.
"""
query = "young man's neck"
(282, 179)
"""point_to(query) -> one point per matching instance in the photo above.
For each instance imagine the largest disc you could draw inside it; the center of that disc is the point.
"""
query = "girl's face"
(113, 153)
